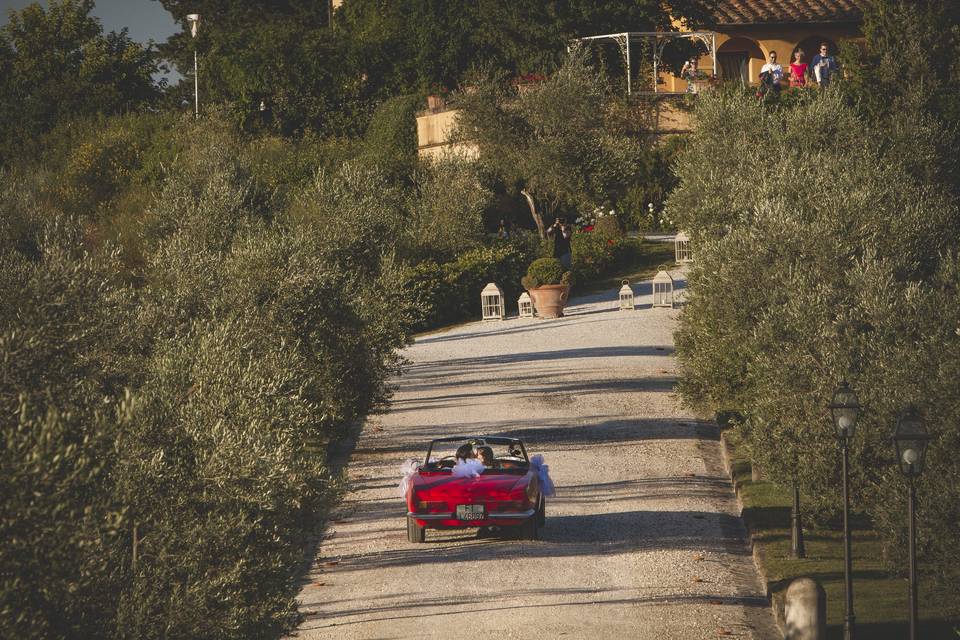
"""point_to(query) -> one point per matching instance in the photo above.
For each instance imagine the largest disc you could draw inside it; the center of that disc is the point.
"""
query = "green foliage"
(653, 182)
(446, 211)
(917, 40)
(106, 165)
(280, 53)
(416, 45)
(837, 261)
(466, 276)
(543, 271)
(564, 144)
(390, 141)
(65, 341)
(57, 64)
(190, 414)
(598, 253)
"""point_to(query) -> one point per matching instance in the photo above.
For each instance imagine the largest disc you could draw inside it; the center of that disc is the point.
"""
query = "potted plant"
(548, 285)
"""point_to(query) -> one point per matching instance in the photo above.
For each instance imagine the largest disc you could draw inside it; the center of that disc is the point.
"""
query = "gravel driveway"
(642, 540)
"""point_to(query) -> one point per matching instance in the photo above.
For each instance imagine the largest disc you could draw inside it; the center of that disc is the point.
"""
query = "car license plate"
(470, 512)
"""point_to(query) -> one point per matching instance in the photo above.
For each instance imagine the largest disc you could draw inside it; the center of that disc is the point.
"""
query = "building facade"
(746, 31)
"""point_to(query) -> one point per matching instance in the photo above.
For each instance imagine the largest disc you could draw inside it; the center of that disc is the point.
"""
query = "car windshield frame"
(480, 441)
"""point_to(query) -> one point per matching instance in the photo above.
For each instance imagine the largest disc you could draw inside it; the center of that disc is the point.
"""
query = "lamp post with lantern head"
(845, 409)
(194, 20)
(911, 438)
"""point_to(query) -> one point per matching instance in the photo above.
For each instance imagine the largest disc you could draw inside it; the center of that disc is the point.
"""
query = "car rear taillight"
(431, 505)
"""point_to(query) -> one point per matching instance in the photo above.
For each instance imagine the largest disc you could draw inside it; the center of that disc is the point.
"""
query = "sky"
(146, 19)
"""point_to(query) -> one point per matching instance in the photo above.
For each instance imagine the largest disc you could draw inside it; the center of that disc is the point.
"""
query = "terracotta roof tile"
(754, 11)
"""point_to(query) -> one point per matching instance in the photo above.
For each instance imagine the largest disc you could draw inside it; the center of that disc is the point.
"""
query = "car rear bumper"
(449, 520)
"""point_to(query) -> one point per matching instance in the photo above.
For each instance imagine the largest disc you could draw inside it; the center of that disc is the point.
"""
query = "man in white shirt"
(771, 74)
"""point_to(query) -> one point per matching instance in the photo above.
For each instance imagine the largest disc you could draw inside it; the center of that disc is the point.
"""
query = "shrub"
(596, 254)
(608, 227)
(543, 271)
(390, 141)
(190, 413)
(446, 205)
(849, 273)
(65, 340)
(467, 275)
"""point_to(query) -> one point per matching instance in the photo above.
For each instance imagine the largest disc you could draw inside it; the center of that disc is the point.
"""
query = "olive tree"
(563, 143)
(836, 261)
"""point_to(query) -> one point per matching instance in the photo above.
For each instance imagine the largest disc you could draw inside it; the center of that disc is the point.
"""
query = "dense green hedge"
(836, 260)
(189, 412)
(450, 292)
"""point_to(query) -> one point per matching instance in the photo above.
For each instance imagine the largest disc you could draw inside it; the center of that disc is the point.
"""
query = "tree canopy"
(329, 79)
(563, 143)
(57, 64)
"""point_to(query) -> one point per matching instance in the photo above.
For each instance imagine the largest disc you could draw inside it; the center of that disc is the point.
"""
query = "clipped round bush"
(543, 271)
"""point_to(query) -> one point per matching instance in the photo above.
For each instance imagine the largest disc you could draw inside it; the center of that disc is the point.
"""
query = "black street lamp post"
(796, 534)
(911, 438)
(845, 410)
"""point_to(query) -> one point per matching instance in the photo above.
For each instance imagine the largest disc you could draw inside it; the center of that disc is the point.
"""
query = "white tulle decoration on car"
(543, 471)
(469, 468)
(408, 469)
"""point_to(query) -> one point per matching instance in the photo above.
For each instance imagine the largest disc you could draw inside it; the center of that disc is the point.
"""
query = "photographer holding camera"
(561, 233)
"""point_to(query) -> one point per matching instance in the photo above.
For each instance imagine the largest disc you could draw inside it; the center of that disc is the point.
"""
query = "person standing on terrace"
(690, 73)
(824, 65)
(771, 74)
(798, 70)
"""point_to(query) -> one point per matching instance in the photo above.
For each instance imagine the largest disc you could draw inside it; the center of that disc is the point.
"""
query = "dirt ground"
(642, 540)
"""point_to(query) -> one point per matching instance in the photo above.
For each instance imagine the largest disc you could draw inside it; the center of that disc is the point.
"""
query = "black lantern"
(911, 439)
(845, 410)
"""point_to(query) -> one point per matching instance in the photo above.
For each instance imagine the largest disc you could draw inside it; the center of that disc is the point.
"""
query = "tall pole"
(796, 536)
(913, 559)
(194, 20)
(629, 81)
(713, 51)
(196, 86)
(848, 623)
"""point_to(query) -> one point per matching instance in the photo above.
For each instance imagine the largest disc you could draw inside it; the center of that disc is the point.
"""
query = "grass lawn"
(880, 600)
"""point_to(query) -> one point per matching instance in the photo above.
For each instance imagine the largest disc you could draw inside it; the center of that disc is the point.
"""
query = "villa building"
(748, 30)
(742, 35)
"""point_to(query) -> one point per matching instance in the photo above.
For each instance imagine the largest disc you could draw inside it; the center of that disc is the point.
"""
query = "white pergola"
(660, 39)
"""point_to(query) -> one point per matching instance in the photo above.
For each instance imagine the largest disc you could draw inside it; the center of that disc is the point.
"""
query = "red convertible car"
(499, 490)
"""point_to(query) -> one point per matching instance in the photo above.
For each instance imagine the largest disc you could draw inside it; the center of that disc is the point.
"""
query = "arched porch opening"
(737, 58)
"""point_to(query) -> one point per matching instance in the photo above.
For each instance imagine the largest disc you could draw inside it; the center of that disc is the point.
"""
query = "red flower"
(610, 241)
(588, 228)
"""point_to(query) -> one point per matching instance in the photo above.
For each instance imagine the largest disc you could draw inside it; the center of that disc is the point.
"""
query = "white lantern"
(491, 302)
(526, 305)
(681, 245)
(662, 289)
(626, 297)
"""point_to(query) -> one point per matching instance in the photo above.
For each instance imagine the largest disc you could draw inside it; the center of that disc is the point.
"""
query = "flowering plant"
(529, 78)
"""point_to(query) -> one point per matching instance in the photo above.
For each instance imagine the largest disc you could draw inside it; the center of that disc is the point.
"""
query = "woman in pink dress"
(798, 70)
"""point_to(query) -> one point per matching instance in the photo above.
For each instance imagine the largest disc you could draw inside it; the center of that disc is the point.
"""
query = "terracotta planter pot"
(550, 299)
